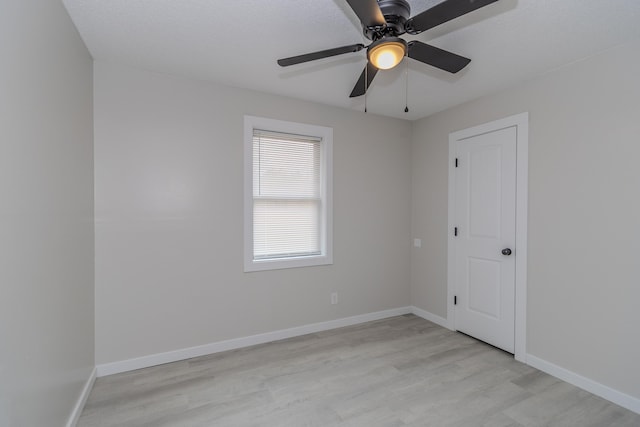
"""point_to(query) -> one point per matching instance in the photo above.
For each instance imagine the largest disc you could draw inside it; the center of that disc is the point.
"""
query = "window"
(288, 201)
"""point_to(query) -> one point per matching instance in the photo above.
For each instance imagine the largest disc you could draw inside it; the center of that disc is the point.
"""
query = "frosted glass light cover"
(387, 55)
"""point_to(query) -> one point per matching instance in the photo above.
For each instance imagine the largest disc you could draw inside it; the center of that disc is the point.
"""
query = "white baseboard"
(84, 395)
(202, 350)
(430, 316)
(629, 402)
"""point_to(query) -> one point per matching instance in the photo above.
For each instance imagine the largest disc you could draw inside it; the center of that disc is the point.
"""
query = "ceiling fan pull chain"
(366, 69)
(366, 80)
(406, 87)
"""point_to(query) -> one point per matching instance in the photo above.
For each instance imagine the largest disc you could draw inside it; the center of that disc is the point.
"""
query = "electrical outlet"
(417, 243)
(334, 298)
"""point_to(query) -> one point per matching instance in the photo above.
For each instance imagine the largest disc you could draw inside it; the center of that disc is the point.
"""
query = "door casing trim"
(521, 123)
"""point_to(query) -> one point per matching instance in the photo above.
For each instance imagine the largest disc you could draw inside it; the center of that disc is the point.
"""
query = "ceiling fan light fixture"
(388, 52)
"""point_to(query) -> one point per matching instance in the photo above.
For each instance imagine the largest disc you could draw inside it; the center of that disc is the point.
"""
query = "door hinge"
(455, 231)
(455, 300)
(456, 162)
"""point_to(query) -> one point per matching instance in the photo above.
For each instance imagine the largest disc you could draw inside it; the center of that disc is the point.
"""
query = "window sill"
(283, 263)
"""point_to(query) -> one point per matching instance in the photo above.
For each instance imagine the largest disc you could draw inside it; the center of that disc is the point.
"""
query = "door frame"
(521, 123)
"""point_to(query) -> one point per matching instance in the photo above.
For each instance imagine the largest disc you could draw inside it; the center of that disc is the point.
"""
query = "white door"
(485, 231)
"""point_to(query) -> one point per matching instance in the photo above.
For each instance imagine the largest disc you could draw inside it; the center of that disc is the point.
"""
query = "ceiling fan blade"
(368, 12)
(436, 57)
(285, 62)
(443, 12)
(360, 88)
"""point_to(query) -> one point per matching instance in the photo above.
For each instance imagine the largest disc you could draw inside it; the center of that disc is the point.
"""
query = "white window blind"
(287, 195)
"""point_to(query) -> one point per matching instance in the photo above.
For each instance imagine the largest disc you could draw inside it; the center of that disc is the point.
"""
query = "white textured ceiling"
(237, 42)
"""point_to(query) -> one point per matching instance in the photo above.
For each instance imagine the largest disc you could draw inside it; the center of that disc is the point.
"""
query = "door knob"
(506, 251)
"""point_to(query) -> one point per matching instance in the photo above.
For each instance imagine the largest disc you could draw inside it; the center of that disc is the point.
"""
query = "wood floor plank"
(402, 371)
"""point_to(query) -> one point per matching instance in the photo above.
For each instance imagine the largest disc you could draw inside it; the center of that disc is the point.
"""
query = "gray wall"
(169, 216)
(46, 214)
(584, 210)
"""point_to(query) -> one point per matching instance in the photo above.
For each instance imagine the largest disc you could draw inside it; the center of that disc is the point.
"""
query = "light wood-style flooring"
(401, 371)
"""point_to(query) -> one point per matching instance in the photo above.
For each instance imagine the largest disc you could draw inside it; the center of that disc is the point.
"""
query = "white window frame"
(326, 192)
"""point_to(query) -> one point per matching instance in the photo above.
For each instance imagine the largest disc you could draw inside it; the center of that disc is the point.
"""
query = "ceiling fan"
(383, 21)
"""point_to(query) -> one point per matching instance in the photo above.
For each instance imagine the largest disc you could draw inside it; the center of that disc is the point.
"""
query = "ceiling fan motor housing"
(396, 13)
